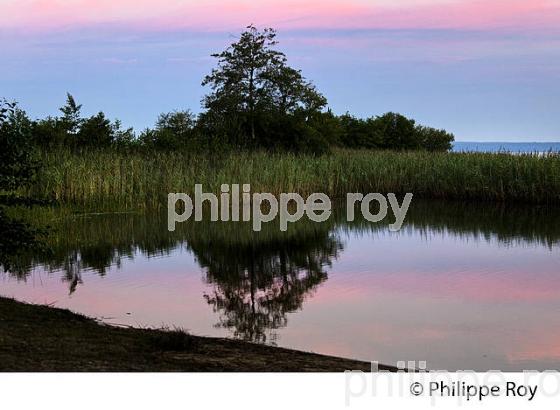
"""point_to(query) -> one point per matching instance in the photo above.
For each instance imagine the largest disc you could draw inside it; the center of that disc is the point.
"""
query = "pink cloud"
(228, 14)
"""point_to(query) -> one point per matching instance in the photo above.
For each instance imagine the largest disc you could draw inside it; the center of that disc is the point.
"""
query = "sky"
(486, 70)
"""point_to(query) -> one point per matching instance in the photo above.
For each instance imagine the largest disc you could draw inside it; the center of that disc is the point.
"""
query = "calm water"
(517, 147)
(459, 287)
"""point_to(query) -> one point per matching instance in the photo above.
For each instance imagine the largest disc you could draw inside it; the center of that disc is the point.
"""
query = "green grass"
(132, 179)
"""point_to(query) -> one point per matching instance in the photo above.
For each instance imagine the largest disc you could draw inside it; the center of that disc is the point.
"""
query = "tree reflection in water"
(18, 241)
(258, 283)
(256, 279)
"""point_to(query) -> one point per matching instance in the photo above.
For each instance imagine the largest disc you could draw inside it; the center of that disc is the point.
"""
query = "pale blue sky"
(481, 84)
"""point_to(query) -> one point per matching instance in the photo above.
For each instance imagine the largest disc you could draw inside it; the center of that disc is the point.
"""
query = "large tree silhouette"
(252, 87)
(256, 284)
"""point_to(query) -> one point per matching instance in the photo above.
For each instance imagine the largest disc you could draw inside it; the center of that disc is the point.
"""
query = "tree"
(180, 123)
(71, 130)
(174, 130)
(391, 131)
(50, 132)
(291, 93)
(253, 82)
(360, 133)
(328, 126)
(96, 131)
(71, 115)
(17, 159)
(17, 169)
(397, 131)
(123, 138)
(433, 139)
(291, 133)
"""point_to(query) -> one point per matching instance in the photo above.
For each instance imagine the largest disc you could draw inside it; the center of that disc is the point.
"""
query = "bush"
(291, 133)
(397, 132)
(328, 125)
(123, 138)
(360, 133)
(17, 156)
(50, 133)
(174, 130)
(95, 131)
(392, 131)
(432, 139)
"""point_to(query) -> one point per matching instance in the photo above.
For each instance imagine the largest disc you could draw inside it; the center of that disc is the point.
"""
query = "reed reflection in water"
(482, 278)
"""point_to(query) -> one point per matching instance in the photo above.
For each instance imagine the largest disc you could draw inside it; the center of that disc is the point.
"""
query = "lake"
(514, 147)
(460, 286)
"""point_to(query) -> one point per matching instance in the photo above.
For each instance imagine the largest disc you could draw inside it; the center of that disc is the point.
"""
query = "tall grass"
(133, 179)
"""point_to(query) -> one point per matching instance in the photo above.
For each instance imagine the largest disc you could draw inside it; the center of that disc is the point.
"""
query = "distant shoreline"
(38, 338)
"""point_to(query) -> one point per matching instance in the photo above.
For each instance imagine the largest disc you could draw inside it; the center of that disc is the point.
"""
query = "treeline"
(183, 130)
(141, 176)
(256, 101)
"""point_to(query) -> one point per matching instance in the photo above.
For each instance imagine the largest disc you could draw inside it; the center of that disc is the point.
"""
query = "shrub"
(360, 133)
(392, 131)
(95, 131)
(432, 139)
(176, 340)
(17, 159)
(397, 132)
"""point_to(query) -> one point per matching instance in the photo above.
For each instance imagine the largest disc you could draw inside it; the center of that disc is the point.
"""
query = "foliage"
(17, 161)
(432, 139)
(50, 133)
(392, 131)
(17, 241)
(73, 131)
(71, 119)
(95, 131)
(397, 131)
(253, 88)
(174, 130)
(291, 133)
(18, 167)
(359, 133)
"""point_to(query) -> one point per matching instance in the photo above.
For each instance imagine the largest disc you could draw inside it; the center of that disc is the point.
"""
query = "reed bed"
(133, 179)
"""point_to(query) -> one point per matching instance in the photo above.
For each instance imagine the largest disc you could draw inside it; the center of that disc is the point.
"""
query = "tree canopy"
(253, 91)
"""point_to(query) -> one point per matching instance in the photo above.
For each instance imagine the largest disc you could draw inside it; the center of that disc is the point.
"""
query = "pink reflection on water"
(453, 302)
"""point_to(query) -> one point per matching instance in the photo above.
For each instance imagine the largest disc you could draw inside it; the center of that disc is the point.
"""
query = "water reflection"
(254, 282)
(97, 241)
(18, 240)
